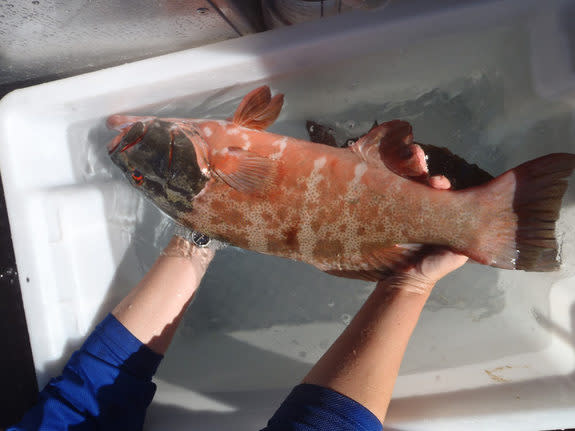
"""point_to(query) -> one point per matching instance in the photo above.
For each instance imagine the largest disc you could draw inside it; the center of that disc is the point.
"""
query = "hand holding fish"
(432, 264)
(364, 361)
(153, 309)
(420, 277)
(188, 249)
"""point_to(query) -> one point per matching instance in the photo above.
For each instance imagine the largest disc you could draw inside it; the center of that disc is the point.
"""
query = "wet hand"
(440, 261)
(185, 248)
(433, 263)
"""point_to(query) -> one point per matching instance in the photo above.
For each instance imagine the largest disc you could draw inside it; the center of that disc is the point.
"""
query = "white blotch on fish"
(282, 144)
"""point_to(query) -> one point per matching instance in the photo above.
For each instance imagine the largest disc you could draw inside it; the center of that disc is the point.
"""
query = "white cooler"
(494, 81)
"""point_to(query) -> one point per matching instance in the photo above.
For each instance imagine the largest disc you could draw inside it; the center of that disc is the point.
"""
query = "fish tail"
(519, 233)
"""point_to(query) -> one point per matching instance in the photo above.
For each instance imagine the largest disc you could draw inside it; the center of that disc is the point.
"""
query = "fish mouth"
(114, 144)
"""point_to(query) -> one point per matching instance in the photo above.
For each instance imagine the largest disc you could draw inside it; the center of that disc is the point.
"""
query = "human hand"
(364, 361)
(182, 247)
(154, 308)
(432, 263)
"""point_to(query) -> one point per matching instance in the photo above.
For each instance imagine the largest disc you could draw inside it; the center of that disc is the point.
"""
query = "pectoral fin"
(245, 171)
(258, 110)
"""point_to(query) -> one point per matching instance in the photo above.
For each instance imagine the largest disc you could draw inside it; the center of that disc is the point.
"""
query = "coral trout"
(356, 212)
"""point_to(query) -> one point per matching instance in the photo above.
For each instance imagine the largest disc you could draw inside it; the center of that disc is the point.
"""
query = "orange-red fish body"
(357, 212)
(327, 207)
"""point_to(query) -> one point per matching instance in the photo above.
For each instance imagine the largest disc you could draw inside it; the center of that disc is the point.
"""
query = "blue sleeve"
(106, 385)
(314, 408)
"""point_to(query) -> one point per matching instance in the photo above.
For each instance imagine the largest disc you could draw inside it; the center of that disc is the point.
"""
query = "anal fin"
(382, 263)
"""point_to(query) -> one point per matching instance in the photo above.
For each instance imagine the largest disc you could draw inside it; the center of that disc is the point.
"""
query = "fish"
(359, 212)
(440, 160)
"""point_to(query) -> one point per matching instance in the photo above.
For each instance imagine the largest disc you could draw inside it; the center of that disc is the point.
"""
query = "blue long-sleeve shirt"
(107, 385)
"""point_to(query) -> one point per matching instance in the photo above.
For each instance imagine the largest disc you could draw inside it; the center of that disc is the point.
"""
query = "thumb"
(441, 262)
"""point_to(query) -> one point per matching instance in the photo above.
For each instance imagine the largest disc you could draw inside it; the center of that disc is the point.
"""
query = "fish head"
(158, 160)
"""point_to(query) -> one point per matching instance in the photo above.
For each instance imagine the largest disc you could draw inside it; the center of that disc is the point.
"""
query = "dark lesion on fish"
(185, 172)
(440, 161)
(182, 191)
(236, 217)
(291, 237)
(155, 189)
(275, 244)
(169, 159)
(216, 220)
(182, 206)
(286, 242)
(282, 214)
(327, 248)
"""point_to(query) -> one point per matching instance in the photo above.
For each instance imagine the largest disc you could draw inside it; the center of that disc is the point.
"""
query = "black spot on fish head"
(160, 162)
(185, 172)
(143, 153)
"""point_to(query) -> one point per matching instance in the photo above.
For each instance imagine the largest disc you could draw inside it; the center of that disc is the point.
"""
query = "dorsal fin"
(258, 110)
(391, 143)
(245, 171)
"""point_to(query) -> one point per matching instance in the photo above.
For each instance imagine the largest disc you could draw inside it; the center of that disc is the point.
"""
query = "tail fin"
(520, 231)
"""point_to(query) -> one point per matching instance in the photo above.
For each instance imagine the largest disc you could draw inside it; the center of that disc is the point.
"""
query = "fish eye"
(137, 177)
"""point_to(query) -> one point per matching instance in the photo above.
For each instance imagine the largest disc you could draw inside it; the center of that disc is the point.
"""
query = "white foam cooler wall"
(494, 349)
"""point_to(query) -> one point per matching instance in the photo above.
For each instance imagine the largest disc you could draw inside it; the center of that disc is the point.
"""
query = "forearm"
(154, 308)
(107, 384)
(364, 361)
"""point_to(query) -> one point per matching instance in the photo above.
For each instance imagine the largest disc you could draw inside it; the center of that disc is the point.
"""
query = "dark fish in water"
(321, 134)
(440, 161)
(357, 212)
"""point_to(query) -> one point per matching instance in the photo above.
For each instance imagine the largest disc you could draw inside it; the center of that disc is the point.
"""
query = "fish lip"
(114, 144)
(121, 122)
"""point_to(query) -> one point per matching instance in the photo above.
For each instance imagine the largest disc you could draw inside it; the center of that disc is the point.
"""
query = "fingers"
(439, 182)
(440, 263)
(393, 141)
(416, 164)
